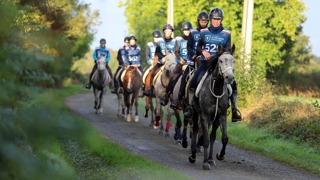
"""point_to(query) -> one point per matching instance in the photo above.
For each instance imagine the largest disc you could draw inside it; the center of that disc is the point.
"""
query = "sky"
(114, 28)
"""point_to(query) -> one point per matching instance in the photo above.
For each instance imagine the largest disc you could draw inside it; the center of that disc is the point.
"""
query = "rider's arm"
(108, 57)
(139, 58)
(228, 44)
(177, 53)
(94, 55)
(199, 47)
(159, 53)
(189, 46)
(119, 57)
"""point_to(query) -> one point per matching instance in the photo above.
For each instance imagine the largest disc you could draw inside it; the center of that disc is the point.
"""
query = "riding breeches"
(184, 81)
(201, 70)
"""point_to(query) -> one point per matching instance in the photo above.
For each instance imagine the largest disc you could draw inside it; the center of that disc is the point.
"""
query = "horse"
(149, 104)
(160, 87)
(100, 80)
(212, 104)
(131, 86)
(181, 138)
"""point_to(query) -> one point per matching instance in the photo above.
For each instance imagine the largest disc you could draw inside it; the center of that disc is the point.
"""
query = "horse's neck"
(102, 76)
(218, 80)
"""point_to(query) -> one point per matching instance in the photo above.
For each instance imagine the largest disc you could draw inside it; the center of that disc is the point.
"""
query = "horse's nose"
(229, 79)
(129, 90)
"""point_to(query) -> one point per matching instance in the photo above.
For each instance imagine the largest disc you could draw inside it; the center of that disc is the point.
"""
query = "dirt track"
(139, 138)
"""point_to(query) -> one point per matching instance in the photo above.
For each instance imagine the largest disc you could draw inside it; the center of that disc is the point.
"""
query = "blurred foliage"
(276, 27)
(39, 42)
(294, 119)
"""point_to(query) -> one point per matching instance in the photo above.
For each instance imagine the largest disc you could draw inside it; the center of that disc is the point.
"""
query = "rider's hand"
(206, 55)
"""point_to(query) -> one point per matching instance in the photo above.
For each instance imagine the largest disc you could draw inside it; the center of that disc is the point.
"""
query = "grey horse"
(212, 104)
(100, 80)
(160, 88)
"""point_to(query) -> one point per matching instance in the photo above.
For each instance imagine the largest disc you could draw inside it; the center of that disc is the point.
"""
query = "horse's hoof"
(218, 157)
(136, 119)
(179, 141)
(100, 113)
(184, 144)
(145, 115)
(128, 119)
(155, 127)
(192, 160)
(167, 135)
(160, 133)
(212, 162)
(206, 166)
(157, 118)
(119, 115)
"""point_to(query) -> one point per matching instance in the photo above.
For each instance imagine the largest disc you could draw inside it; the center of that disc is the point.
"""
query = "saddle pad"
(200, 84)
(157, 75)
(122, 75)
(229, 89)
(145, 74)
(184, 67)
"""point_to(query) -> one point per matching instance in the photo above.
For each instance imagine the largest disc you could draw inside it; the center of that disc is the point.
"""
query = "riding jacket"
(150, 50)
(132, 55)
(163, 44)
(211, 38)
(101, 51)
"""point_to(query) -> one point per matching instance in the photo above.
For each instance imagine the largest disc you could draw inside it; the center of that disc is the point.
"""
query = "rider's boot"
(236, 115)
(164, 100)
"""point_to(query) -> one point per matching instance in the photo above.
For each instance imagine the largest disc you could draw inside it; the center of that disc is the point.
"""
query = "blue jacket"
(132, 55)
(103, 51)
(211, 38)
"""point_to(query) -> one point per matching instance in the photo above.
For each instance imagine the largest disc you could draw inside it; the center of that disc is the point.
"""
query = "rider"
(120, 56)
(182, 58)
(100, 51)
(207, 46)
(132, 55)
(150, 51)
(166, 43)
(202, 23)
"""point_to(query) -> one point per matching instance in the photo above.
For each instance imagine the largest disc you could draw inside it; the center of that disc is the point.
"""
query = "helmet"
(126, 39)
(156, 34)
(216, 13)
(186, 26)
(103, 40)
(133, 37)
(202, 16)
(167, 26)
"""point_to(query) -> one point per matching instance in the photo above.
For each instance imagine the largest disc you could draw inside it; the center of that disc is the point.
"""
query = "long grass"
(96, 156)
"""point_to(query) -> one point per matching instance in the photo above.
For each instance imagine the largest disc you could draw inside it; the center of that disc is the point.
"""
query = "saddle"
(95, 73)
(157, 75)
(145, 74)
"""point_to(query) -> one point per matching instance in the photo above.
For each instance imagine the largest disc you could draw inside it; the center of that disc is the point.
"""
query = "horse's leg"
(193, 135)
(136, 118)
(204, 122)
(224, 138)
(178, 127)
(119, 105)
(215, 126)
(168, 123)
(148, 99)
(101, 101)
(184, 132)
(95, 92)
(147, 107)
(127, 105)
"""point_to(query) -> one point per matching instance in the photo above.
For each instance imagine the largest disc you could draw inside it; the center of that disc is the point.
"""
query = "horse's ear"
(233, 48)
(125, 67)
(220, 49)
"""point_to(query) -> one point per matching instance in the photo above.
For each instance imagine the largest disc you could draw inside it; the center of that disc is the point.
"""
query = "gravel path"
(140, 139)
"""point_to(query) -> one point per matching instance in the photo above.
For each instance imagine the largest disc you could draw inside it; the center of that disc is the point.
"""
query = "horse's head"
(101, 63)
(226, 63)
(171, 62)
(129, 78)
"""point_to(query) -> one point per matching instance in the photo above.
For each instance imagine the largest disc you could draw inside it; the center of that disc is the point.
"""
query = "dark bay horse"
(131, 86)
(100, 80)
(212, 104)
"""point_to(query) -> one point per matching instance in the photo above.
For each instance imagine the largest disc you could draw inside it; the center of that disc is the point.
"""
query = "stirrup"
(188, 112)
(236, 115)
(88, 86)
(175, 104)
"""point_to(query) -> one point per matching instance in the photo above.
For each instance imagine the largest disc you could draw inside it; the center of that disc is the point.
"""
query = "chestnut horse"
(131, 86)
